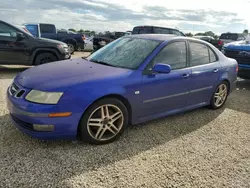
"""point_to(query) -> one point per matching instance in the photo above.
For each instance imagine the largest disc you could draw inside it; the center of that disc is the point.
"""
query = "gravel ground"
(201, 148)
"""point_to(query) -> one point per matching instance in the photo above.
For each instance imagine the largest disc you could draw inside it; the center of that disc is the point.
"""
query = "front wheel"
(44, 58)
(104, 121)
(220, 95)
(71, 48)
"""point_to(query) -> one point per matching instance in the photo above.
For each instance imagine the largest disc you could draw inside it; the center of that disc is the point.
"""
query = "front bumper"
(25, 114)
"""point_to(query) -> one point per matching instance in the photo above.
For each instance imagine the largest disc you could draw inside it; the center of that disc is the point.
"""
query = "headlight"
(62, 46)
(43, 97)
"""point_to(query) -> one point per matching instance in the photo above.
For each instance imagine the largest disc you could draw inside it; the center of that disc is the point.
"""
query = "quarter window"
(213, 57)
(159, 30)
(199, 54)
(174, 54)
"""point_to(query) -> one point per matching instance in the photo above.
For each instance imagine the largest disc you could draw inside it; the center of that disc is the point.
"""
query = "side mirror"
(19, 36)
(161, 68)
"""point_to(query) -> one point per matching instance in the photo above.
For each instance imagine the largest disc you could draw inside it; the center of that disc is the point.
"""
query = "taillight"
(237, 68)
(220, 42)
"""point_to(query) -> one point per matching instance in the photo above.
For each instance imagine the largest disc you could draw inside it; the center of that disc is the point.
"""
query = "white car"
(88, 44)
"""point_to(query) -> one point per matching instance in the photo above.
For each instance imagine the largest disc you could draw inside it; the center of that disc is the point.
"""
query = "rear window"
(33, 29)
(142, 30)
(229, 36)
(159, 30)
(46, 28)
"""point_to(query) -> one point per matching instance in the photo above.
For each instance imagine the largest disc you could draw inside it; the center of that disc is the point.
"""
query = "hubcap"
(220, 95)
(105, 122)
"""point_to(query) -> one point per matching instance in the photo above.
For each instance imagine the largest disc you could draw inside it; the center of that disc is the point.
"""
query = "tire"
(72, 48)
(99, 132)
(44, 58)
(219, 95)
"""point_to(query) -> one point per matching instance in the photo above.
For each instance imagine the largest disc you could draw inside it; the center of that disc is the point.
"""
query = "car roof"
(160, 37)
(156, 26)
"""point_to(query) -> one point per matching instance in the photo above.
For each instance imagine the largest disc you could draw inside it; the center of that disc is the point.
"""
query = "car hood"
(49, 41)
(238, 45)
(59, 76)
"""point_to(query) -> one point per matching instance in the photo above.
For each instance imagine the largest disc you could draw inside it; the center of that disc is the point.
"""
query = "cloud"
(103, 15)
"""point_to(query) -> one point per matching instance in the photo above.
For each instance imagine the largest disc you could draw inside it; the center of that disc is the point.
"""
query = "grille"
(16, 90)
(241, 59)
(23, 124)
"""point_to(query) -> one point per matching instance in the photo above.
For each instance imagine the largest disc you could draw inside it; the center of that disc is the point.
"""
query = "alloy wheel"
(71, 48)
(220, 95)
(105, 122)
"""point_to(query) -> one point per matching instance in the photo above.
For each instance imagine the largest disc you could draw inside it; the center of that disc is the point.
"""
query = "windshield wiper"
(101, 62)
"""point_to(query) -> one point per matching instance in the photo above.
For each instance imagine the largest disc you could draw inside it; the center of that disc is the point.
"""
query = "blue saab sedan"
(133, 79)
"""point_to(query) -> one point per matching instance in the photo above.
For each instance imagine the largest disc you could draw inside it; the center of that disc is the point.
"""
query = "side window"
(199, 54)
(46, 28)
(174, 54)
(6, 31)
(213, 57)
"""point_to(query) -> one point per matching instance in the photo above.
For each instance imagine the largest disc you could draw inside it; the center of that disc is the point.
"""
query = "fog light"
(44, 128)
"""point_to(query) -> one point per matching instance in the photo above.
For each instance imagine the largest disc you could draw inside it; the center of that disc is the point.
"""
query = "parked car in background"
(19, 47)
(44, 30)
(217, 43)
(240, 51)
(101, 40)
(89, 44)
(160, 75)
(156, 30)
(231, 37)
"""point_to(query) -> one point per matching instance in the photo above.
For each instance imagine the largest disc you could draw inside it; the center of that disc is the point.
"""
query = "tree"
(81, 31)
(189, 34)
(72, 30)
(92, 33)
(209, 33)
(245, 32)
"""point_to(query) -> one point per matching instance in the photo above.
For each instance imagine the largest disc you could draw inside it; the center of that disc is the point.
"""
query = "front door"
(162, 92)
(205, 73)
(12, 51)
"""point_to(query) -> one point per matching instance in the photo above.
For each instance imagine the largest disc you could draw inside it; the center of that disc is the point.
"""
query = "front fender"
(37, 50)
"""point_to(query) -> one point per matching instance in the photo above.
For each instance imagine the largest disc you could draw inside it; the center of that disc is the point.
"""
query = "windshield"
(124, 52)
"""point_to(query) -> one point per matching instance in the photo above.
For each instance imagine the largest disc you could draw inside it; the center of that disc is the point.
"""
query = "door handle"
(185, 75)
(215, 70)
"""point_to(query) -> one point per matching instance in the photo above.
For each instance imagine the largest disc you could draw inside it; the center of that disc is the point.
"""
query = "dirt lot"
(201, 148)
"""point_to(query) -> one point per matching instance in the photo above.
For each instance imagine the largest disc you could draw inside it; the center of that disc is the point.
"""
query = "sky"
(122, 15)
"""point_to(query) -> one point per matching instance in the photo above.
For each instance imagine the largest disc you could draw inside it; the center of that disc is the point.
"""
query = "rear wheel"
(44, 58)
(104, 121)
(220, 95)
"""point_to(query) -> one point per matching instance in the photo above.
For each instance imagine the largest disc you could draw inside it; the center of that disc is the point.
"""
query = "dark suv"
(157, 30)
(19, 47)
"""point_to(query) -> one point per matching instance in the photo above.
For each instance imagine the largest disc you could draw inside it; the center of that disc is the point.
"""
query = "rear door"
(206, 71)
